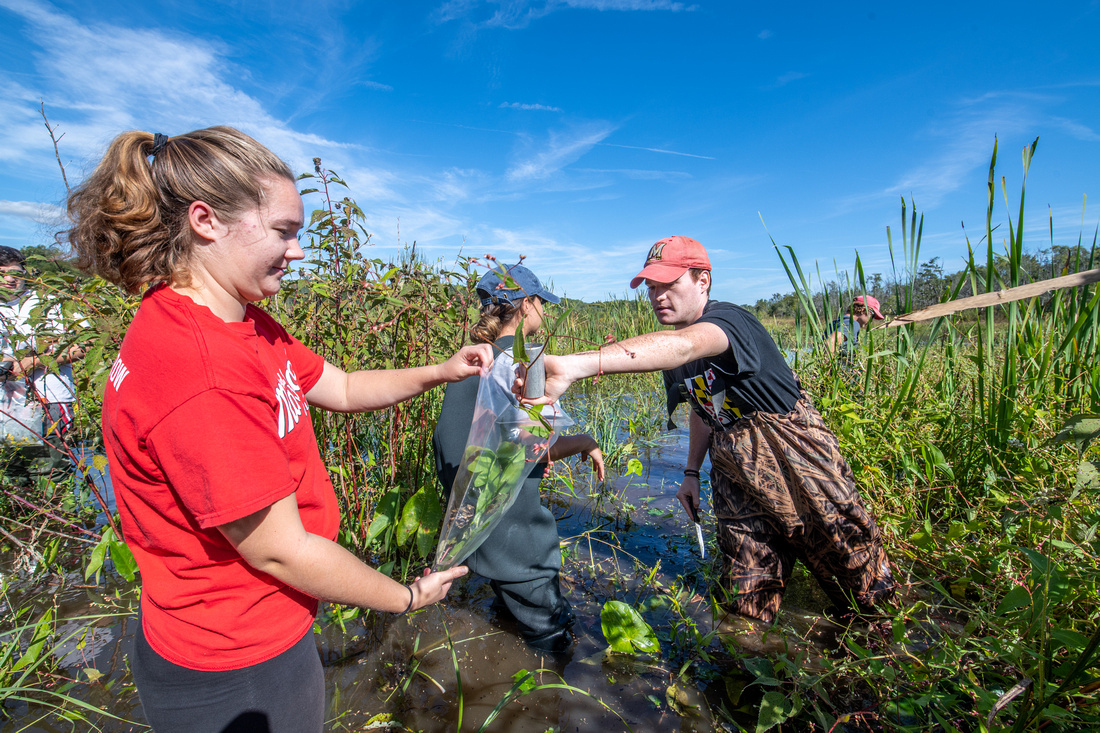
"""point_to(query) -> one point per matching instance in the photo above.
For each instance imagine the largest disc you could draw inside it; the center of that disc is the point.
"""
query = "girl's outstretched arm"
(375, 389)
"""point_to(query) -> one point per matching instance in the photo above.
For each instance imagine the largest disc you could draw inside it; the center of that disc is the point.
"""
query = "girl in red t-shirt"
(221, 490)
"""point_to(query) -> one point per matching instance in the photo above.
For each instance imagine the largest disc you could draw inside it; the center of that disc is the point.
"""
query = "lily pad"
(626, 631)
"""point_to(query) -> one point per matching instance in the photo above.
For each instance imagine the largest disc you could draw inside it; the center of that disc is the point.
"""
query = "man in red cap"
(781, 490)
(844, 333)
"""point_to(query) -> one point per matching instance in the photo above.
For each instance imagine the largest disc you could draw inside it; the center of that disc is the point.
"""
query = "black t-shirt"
(750, 376)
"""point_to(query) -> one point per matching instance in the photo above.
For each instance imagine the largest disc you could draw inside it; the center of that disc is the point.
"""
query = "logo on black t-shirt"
(751, 376)
(716, 409)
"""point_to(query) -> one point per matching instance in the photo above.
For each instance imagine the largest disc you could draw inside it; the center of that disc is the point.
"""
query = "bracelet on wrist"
(691, 472)
(410, 590)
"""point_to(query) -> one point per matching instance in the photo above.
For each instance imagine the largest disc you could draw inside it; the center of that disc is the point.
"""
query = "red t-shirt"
(206, 422)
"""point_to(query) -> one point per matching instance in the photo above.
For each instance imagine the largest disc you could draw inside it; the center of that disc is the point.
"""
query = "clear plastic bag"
(505, 444)
(21, 414)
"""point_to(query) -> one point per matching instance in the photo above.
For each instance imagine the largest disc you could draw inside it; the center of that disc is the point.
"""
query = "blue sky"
(578, 132)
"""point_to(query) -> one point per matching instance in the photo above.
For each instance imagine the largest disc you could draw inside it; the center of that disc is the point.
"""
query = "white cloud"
(35, 211)
(561, 149)
(98, 80)
(514, 14)
(520, 105)
(431, 228)
(586, 270)
(376, 85)
(21, 123)
(170, 83)
(658, 150)
(637, 174)
(787, 78)
(103, 79)
(675, 7)
(1076, 129)
(966, 143)
(765, 34)
(957, 145)
(453, 10)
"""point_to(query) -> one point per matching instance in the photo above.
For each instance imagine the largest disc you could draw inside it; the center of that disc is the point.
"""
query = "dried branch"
(56, 139)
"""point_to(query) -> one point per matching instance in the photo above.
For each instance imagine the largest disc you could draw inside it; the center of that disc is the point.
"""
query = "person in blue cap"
(522, 556)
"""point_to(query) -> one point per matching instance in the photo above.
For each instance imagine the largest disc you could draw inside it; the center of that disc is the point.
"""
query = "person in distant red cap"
(781, 490)
(844, 332)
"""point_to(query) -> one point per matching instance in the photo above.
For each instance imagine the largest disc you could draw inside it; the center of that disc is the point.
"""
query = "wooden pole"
(996, 298)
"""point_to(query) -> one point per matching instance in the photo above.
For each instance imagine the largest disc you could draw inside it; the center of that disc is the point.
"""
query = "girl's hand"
(432, 587)
(468, 361)
(597, 460)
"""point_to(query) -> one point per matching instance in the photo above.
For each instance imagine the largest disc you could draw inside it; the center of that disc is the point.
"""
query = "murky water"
(631, 543)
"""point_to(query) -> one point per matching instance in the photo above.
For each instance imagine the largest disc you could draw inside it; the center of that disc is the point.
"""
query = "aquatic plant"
(946, 428)
(486, 479)
(30, 668)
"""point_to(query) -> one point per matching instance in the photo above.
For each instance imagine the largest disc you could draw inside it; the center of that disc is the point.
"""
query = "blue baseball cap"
(492, 288)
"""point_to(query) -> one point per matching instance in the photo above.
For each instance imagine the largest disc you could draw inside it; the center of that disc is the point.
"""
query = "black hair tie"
(160, 141)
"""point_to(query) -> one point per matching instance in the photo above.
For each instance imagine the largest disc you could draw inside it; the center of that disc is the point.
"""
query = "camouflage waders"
(782, 492)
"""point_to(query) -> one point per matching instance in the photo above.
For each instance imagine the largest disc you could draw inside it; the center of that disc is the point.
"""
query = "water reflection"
(85, 458)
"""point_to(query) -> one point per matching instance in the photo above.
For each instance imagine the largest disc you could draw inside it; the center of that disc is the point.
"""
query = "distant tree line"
(930, 284)
(43, 259)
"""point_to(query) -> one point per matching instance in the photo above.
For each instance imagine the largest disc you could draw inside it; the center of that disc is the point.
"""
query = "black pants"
(285, 694)
(522, 557)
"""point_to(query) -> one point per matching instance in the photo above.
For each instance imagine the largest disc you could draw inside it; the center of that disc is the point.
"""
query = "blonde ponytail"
(493, 317)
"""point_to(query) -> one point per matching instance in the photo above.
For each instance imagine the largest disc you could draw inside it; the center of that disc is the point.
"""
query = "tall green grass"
(946, 426)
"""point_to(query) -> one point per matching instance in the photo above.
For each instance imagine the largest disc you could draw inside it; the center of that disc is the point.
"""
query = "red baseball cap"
(670, 258)
(872, 303)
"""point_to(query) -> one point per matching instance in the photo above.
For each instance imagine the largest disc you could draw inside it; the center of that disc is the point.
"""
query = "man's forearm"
(698, 442)
(650, 352)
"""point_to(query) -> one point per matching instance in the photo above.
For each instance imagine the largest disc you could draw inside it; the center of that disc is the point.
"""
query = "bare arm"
(649, 352)
(374, 389)
(46, 346)
(72, 354)
(33, 361)
(698, 442)
(571, 445)
(274, 541)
